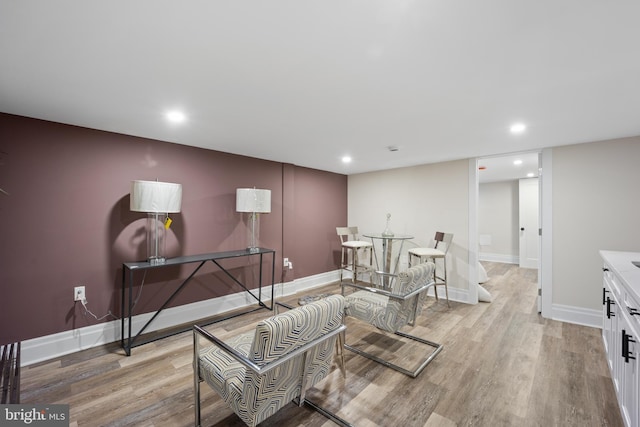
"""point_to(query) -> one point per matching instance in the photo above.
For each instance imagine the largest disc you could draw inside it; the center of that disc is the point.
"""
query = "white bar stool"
(351, 245)
(439, 251)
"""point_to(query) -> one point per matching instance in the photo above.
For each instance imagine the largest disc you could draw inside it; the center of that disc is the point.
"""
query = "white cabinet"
(629, 379)
(621, 329)
(610, 325)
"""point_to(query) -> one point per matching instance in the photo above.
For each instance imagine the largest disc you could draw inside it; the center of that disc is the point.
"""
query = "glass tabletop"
(394, 237)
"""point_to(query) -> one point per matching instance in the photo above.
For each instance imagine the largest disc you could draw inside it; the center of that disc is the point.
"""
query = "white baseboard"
(455, 294)
(56, 345)
(507, 259)
(577, 315)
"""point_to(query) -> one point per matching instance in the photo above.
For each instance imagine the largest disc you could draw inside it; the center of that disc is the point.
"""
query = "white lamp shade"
(155, 197)
(253, 200)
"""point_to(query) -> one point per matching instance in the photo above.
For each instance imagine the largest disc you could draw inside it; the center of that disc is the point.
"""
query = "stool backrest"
(347, 234)
(443, 241)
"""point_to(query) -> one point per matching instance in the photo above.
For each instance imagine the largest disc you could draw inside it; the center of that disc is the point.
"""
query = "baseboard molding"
(50, 346)
(577, 315)
(507, 259)
(455, 294)
(309, 282)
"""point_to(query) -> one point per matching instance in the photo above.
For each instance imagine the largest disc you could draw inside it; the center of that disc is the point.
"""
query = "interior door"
(529, 224)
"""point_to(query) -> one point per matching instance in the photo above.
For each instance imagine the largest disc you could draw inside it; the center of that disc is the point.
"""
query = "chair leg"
(340, 350)
(341, 263)
(354, 259)
(302, 400)
(196, 379)
(446, 291)
(435, 278)
(446, 286)
(412, 373)
(197, 403)
(330, 415)
(370, 264)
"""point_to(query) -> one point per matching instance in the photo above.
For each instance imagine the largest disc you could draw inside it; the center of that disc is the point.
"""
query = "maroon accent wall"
(316, 204)
(67, 221)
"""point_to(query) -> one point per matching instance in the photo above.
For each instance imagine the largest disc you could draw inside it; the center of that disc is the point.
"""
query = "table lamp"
(253, 201)
(158, 200)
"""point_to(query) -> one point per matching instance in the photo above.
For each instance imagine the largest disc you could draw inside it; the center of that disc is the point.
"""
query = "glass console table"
(128, 341)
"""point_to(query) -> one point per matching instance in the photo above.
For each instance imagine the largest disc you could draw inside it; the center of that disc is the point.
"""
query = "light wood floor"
(502, 365)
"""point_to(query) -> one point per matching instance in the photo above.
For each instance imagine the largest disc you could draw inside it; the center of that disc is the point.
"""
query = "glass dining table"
(387, 250)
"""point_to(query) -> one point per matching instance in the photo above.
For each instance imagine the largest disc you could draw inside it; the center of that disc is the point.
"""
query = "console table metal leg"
(127, 339)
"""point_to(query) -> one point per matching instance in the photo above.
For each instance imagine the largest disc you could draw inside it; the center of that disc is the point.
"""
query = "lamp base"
(253, 250)
(156, 238)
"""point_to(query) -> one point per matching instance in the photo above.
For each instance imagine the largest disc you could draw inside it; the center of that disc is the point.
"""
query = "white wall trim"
(473, 189)
(56, 345)
(545, 274)
(455, 294)
(507, 259)
(577, 315)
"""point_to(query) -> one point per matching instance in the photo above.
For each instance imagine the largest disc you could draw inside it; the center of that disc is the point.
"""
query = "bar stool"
(352, 246)
(442, 241)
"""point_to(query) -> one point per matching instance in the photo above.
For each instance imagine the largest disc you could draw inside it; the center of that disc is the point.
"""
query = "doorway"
(508, 209)
(504, 245)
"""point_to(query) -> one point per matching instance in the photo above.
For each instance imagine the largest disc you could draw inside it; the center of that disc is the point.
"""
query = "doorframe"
(545, 276)
(545, 272)
(472, 296)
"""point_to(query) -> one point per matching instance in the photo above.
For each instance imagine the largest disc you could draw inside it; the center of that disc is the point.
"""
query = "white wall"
(421, 200)
(596, 205)
(498, 219)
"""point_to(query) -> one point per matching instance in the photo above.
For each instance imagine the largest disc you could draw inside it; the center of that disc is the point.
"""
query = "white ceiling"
(505, 168)
(307, 82)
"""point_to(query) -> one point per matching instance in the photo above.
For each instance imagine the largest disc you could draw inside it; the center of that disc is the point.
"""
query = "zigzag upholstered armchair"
(391, 307)
(259, 372)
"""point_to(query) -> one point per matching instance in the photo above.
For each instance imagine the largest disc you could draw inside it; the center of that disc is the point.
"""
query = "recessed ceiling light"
(517, 162)
(176, 116)
(518, 128)
(346, 159)
(530, 175)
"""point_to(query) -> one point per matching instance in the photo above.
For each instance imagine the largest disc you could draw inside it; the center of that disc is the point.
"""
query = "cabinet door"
(614, 356)
(610, 329)
(608, 319)
(629, 379)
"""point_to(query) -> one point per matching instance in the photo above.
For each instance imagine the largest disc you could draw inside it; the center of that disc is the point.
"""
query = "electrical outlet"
(285, 264)
(78, 293)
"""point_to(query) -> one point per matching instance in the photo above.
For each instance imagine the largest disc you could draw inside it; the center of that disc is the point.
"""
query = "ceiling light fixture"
(346, 159)
(530, 175)
(518, 128)
(517, 162)
(176, 116)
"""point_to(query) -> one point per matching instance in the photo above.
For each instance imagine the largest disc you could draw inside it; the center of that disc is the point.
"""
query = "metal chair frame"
(199, 332)
(384, 290)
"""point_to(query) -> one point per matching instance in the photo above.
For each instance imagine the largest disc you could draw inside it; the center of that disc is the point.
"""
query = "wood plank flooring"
(502, 365)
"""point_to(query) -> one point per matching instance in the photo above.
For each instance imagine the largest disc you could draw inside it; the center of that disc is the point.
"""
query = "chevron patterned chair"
(259, 372)
(390, 307)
